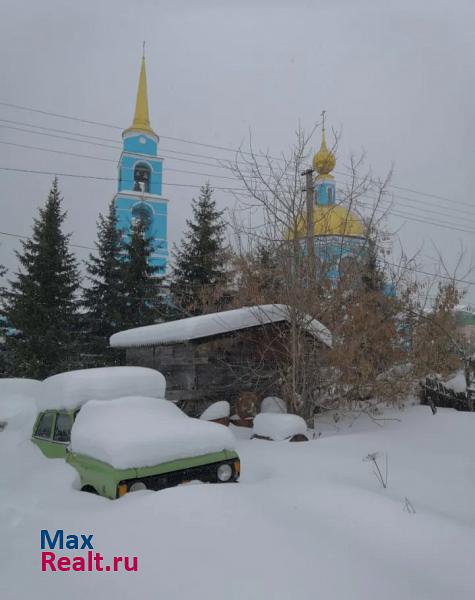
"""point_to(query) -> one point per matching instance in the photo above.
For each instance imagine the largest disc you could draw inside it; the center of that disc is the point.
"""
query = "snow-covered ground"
(308, 520)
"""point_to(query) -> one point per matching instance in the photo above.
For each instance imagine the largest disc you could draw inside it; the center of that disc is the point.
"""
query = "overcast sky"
(397, 78)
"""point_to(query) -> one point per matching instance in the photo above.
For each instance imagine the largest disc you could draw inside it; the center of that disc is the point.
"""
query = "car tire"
(89, 488)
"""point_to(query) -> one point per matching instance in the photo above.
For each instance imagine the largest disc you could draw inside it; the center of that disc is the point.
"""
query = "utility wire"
(101, 178)
(211, 175)
(411, 206)
(88, 122)
(112, 160)
(207, 145)
(235, 191)
(117, 145)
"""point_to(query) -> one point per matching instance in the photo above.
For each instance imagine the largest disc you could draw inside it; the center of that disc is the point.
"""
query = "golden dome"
(331, 220)
(324, 161)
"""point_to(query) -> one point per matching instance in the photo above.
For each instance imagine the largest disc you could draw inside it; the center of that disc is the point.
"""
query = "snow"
(17, 404)
(19, 387)
(142, 432)
(457, 383)
(306, 521)
(71, 390)
(278, 426)
(217, 410)
(211, 324)
(273, 404)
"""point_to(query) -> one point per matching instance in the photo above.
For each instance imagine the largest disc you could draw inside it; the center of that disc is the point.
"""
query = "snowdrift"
(18, 403)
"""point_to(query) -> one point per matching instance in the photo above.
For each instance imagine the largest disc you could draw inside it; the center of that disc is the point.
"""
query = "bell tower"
(139, 190)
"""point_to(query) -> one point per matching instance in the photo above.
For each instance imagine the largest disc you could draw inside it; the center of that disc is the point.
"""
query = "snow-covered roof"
(137, 432)
(74, 388)
(193, 328)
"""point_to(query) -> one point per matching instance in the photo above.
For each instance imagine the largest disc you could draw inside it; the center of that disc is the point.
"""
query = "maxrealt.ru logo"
(88, 560)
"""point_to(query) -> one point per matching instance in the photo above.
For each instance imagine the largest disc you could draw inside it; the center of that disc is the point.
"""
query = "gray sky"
(396, 76)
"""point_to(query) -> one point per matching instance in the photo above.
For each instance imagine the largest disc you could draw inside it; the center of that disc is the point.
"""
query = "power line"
(89, 122)
(406, 268)
(392, 209)
(211, 175)
(454, 226)
(101, 178)
(218, 166)
(116, 145)
(236, 191)
(25, 237)
(451, 225)
(207, 145)
(433, 210)
(112, 160)
(417, 218)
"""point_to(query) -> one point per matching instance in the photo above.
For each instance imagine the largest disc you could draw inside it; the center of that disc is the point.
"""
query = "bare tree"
(274, 267)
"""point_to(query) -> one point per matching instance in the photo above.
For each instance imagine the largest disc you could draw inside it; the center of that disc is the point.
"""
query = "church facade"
(339, 234)
(140, 170)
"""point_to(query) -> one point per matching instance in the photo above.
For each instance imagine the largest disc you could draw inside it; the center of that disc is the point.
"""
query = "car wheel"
(88, 488)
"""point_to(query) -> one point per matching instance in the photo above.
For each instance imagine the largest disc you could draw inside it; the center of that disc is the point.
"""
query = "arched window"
(142, 174)
(143, 212)
(331, 195)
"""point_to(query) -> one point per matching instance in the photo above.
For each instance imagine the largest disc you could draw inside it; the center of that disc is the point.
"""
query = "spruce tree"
(104, 299)
(372, 275)
(141, 285)
(199, 272)
(42, 303)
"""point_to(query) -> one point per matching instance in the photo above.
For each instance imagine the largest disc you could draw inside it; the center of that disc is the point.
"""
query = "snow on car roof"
(74, 388)
(193, 328)
(135, 432)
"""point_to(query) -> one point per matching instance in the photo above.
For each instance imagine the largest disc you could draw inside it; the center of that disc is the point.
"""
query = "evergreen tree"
(42, 303)
(199, 273)
(142, 288)
(104, 299)
(372, 275)
(3, 330)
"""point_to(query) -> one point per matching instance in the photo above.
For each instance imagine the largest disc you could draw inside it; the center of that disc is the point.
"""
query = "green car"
(133, 443)
(52, 432)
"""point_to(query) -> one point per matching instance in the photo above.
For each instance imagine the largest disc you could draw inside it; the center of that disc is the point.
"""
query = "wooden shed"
(216, 356)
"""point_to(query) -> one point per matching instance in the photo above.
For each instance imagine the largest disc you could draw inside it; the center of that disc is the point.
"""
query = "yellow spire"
(141, 120)
(324, 161)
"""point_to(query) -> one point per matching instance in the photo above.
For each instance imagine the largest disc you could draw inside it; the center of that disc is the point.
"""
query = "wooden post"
(310, 203)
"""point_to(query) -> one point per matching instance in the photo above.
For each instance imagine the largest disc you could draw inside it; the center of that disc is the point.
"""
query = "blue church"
(139, 192)
(339, 235)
